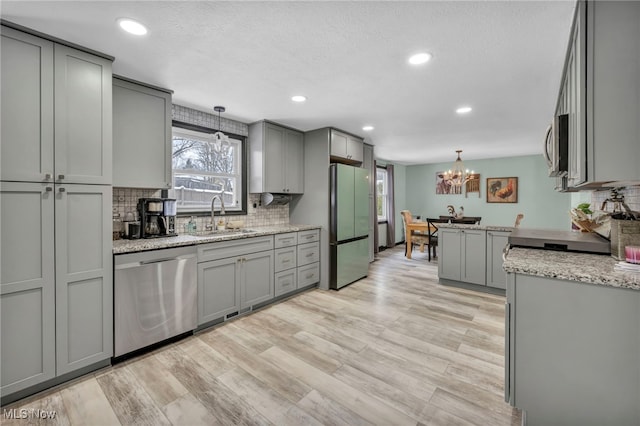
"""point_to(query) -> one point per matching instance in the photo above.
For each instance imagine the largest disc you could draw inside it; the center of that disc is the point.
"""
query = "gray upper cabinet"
(600, 93)
(83, 111)
(27, 285)
(346, 148)
(141, 135)
(27, 107)
(76, 121)
(84, 282)
(276, 159)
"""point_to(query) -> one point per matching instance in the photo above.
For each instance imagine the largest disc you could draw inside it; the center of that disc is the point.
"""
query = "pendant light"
(219, 136)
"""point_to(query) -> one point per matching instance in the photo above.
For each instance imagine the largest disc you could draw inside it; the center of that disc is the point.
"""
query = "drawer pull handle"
(309, 275)
(286, 261)
(286, 283)
(308, 236)
(310, 254)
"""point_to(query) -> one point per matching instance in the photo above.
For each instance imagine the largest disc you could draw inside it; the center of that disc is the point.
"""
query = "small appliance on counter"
(157, 217)
(586, 242)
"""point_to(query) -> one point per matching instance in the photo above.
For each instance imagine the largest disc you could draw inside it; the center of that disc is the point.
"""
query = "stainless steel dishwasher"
(155, 297)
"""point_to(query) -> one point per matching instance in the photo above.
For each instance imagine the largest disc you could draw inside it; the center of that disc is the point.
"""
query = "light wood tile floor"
(395, 348)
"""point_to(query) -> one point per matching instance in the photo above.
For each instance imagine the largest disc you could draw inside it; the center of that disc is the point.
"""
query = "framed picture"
(502, 190)
(445, 186)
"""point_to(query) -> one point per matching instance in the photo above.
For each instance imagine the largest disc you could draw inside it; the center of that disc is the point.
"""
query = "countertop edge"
(496, 228)
(579, 267)
(184, 240)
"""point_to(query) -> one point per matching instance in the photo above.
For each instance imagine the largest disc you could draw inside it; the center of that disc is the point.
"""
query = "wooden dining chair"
(417, 238)
(432, 240)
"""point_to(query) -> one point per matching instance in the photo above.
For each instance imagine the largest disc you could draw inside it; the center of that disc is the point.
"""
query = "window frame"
(244, 173)
(385, 194)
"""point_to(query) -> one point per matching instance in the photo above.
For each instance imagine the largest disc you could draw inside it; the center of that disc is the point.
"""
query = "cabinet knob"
(48, 189)
(47, 176)
(61, 189)
(60, 177)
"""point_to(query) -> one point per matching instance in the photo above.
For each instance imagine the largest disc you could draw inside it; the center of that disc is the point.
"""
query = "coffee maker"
(157, 217)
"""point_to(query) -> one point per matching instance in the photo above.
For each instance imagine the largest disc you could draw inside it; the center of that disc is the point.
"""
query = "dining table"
(421, 226)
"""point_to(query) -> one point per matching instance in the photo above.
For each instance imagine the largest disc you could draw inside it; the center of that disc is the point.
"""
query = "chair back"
(433, 229)
(406, 216)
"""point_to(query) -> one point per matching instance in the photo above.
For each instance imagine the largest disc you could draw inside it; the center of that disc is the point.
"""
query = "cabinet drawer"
(285, 258)
(309, 274)
(286, 281)
(308, 236)
(223, 249)
(286, 240)
(308, 253)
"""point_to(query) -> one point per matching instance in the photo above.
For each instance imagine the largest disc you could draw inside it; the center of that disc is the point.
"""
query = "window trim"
(383, 219)
(243, 163)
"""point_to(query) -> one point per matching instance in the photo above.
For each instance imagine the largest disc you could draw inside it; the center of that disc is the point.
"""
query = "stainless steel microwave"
(556, 146)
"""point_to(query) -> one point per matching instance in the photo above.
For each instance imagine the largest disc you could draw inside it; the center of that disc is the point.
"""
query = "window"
(203, 168)
(381, 193)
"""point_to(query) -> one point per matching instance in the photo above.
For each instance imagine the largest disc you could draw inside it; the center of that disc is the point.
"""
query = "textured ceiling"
(349, 58)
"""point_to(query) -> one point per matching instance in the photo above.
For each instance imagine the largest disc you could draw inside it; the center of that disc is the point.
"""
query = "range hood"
(269, 199)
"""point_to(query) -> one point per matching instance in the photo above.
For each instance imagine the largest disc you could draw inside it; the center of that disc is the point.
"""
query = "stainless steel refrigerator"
(348, 225)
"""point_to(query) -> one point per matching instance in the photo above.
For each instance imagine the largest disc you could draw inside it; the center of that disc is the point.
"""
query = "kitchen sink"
(225, 232)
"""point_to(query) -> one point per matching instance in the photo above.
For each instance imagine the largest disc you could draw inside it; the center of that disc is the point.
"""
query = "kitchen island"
(471, 256)
(572, 338)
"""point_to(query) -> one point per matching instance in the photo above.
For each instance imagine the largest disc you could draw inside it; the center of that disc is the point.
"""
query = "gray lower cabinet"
(297, 261)
(56, 290)
(496, 242)
(141, 135)
(218, 292)
(462, 255)
(233, 275)
(84, 276)
(27, 285)
(572, 351)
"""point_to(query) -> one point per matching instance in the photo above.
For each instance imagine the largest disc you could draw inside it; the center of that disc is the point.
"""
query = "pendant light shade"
(219, 136)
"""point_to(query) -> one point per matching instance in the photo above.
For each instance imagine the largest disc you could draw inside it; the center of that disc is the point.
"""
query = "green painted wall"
(541, 205)
(400, 188)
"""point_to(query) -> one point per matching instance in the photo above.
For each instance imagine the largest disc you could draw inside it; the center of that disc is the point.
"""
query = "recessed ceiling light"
(463, 110)
(367, 128)
(298, 98)
(420, 58)
(132, 27)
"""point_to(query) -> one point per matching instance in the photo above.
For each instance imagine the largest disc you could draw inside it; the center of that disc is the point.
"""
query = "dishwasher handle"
(153, 261)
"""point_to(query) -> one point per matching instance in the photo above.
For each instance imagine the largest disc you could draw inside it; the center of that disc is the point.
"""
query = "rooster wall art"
(502, 190)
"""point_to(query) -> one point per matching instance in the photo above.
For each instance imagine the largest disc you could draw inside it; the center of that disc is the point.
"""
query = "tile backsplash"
(126, 199)
(631, 197)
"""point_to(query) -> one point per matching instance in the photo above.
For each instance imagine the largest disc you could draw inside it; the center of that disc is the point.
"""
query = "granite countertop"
(132, 246)
(478, 227)
(582, 267)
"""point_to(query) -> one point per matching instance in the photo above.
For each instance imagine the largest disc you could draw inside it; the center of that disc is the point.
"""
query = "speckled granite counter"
(478, 227)
(131, 246)
(581, 267)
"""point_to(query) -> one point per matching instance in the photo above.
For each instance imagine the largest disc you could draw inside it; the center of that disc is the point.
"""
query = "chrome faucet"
(213, 222)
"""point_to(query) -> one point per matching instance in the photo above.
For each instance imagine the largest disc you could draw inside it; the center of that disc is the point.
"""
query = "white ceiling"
(503, 58)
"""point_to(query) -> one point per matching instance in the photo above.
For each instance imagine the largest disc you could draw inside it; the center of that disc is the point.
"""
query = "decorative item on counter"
(632, 254)
(502, 190)
(451, 210)
(117, 226)
(235, 224)
(221, 226)
(586, 220)
(190, 227)
(460, 214)
(624, 224)
(519, 218)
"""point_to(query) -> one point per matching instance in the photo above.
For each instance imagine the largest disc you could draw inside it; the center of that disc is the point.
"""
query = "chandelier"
(458, 175)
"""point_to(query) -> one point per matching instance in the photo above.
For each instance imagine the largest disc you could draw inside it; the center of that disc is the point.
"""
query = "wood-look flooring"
(395, 348)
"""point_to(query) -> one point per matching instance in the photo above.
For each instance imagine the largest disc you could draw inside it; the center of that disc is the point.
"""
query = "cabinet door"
(338, 144)
(449, 262)
(575, 101)
(355, 149)
(84, 276)
(27, 285)
(256, 278)
(473, 256)
(83, 112)
(293, 159)
(273, 166)
(496, 276)
(141, 136)
(26, 151)
(218, 292)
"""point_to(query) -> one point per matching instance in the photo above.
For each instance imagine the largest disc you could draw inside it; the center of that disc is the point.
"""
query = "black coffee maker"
(157, 217)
